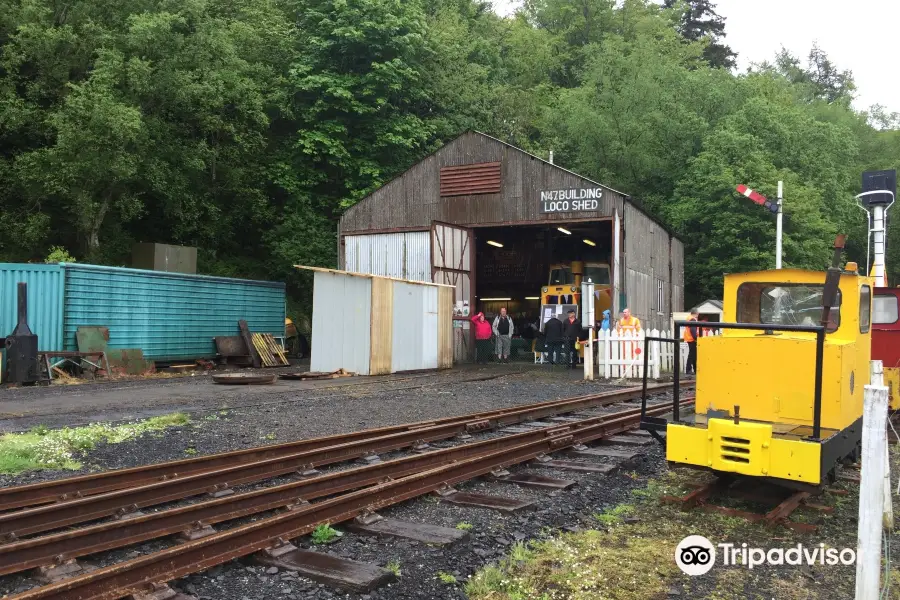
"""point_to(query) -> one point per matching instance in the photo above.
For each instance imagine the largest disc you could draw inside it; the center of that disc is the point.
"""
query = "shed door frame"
(448, 272)
(439, 262)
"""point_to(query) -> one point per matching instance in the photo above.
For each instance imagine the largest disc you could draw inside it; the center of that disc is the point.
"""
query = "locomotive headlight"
(572, 288)
(544, 289)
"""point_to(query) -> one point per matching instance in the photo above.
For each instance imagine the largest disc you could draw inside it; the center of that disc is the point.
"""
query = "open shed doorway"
(513, 264)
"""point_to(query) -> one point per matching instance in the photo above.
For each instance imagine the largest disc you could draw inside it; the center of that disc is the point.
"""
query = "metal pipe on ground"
(123, 579)
(98, 483)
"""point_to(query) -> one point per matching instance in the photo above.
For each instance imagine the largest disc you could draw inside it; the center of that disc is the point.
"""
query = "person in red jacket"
(483, 332)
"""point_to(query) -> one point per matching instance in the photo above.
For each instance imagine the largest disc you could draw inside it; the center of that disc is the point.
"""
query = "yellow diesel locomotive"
(779, 394)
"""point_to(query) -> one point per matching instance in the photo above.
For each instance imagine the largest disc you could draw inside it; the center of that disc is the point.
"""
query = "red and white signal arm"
(757, 198)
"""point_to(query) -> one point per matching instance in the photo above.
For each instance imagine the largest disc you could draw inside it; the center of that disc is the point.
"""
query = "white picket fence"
(620, 356)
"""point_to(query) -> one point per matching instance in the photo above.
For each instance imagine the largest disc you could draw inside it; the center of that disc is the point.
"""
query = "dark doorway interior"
(512, 276)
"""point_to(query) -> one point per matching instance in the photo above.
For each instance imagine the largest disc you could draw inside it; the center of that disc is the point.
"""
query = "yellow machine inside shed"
(779, 395)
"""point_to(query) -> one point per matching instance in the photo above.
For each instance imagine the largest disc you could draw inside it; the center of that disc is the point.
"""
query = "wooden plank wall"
(381, 326)
(413, 199)
(445, 328)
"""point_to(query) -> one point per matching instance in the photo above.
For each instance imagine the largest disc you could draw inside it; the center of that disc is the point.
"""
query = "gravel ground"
(491, 536)
(286, 416)
(313, 413)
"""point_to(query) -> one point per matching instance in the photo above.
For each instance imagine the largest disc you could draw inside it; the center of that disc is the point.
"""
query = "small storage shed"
(372, 325)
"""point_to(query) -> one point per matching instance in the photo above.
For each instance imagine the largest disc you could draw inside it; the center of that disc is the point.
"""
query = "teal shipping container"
(169, 316)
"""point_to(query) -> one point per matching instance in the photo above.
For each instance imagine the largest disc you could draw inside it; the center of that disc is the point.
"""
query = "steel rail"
(98, 483)
(58, 548)
(123, 579)
(14, 525)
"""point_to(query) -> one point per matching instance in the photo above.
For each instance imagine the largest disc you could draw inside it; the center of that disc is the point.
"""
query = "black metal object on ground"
(22, 347)
(243, 379)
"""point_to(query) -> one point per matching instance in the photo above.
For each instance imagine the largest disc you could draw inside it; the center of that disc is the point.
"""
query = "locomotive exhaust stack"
(22, 346)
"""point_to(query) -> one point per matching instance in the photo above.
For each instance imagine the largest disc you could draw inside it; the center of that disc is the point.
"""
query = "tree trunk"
(96, 223)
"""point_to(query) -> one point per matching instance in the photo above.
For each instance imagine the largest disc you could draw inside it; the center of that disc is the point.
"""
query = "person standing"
(691, 333)
(571, 334)
(605, 324)
(503, 329)
(482, 338)
(553, 337)
(628, 323)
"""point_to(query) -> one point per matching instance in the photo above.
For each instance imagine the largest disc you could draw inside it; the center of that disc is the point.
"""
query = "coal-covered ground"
(311, 413)
(278, 417)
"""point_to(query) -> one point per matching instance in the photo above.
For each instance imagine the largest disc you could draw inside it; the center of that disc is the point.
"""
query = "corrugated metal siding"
(677, 253)
(415, 328)
(170, 316)
(401, 255)
(640, 288)
(46, 292)
(341, 323)
(481, 178)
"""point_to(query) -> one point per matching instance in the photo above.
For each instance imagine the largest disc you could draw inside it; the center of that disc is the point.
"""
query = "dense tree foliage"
(245, 127)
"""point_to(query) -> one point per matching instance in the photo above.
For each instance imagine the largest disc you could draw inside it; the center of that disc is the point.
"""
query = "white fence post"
(877, 379)
(871, 492)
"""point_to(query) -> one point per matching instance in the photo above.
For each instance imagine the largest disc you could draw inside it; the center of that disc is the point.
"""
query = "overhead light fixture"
(493, 243)
(565, 231)
(495, 299)
(589, 243)
(532, 297)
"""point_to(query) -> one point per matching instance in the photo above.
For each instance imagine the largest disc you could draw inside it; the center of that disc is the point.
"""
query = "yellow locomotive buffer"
(779, 396)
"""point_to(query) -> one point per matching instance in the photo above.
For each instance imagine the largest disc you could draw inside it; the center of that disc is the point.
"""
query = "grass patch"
(446, 578)
(394, 567)
(324, 534)
(635, 560)
(463, 526)
(42, 448)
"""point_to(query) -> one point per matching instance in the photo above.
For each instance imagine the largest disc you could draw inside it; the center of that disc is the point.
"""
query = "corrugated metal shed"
(372, 325)
(46, 292)
(169, 316)
(400, 255)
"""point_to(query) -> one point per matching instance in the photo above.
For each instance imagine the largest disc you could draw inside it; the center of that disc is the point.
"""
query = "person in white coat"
(503, 331)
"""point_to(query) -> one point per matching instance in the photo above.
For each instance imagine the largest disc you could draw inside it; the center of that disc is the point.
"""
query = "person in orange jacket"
(483, 333)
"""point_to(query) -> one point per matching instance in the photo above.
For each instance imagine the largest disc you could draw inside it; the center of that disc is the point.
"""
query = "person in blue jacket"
(604, 326)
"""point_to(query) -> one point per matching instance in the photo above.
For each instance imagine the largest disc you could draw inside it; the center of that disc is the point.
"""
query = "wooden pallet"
(269, 352)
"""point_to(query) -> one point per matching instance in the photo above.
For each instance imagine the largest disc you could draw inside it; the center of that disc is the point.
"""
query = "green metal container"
(46, 292)
(169, 316)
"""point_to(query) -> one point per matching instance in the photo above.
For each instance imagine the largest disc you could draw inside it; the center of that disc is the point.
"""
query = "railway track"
(347, 494)
(296, 454)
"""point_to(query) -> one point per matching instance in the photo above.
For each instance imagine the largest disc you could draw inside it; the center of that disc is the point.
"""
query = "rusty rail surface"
(88, 485)
(57, 548)
(123, 579)
(14, 525)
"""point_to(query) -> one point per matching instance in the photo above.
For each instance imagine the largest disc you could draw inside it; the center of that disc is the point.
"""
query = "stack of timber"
(251, 349)
(268, 350)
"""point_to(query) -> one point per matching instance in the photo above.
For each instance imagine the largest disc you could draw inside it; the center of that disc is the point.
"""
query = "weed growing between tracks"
(630, 554)
(43, 448)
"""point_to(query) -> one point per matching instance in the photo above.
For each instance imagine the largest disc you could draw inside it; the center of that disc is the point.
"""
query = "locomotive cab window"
(885, 309)
(865, 306)
(785, 304)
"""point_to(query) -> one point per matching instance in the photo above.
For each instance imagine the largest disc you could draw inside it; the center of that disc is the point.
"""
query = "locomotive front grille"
(739, 448)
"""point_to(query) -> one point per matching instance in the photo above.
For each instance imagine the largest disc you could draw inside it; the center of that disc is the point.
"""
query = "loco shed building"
(493, 221)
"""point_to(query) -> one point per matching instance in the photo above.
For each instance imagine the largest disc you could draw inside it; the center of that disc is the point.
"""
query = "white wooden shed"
(374, 325)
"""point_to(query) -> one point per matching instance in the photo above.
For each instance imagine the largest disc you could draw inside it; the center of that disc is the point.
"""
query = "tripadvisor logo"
(696, 555)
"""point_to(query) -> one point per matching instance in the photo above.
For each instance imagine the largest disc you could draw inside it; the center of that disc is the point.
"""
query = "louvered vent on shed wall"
(469, 180)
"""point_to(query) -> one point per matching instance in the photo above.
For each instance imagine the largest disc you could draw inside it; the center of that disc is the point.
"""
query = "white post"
(871, 493)
(877, 379)
(551, 157)
(589, 356)
(778, 229)
(878, 243)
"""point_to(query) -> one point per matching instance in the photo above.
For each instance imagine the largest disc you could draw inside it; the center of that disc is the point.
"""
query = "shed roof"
(716, 303)
(368, 276)
(636, 203)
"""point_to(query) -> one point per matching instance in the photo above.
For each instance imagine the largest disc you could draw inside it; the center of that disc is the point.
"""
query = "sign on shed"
(577, 200)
